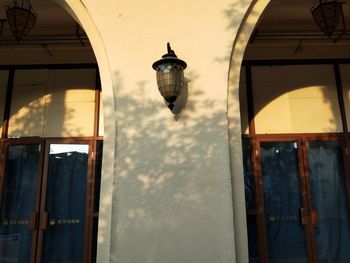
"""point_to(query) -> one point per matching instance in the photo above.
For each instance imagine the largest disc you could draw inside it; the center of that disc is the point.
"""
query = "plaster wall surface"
(172, 184)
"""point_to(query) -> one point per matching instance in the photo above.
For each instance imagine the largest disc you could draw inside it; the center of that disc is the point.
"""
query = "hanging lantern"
(327, 14)
(170, 76)
(21, 18)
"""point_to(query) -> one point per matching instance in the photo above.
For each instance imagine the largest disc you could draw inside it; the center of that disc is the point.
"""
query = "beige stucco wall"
(171, 198)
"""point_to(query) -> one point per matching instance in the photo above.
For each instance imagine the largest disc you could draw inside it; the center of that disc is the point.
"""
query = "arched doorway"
(294, 116)
(51, 144)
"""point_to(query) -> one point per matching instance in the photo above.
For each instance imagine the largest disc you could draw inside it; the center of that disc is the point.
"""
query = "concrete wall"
(171, 199)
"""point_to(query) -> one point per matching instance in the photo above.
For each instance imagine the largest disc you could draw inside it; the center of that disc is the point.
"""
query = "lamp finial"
(170, 51)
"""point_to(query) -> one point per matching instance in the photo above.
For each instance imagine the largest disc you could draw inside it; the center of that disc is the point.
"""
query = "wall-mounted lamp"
(21, 18)
(327, 14)
(170, 76)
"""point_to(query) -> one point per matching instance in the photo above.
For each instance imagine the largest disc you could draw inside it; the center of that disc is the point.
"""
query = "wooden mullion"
(38, 201)
(345, 141)
(97, 105)
(89, 204)
(282, 62)
(7, 110)
(306, 199)
(293, 136)
(91, 172)
(340, 98)
(43, 192)
(259, 202)
(49, 66)
(310, 227)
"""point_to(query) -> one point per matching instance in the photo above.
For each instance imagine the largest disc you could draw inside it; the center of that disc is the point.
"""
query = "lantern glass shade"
(170, 80)
(21, 18)
(327, 16)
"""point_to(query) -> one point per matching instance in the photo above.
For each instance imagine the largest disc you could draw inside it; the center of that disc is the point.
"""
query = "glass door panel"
(282, 195)
(65, 203)
(18, 202)
(329, 197)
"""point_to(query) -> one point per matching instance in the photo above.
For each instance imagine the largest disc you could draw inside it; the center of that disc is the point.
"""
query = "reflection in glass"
(18, 202)
(65, 203)
(285, 235)
(329, 198)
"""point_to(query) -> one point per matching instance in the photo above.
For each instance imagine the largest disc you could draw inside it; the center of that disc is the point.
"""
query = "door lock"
(306, 219)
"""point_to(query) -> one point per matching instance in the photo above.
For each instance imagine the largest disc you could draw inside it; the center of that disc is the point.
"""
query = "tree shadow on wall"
(40, 122)
(235, 14)
(171, 183)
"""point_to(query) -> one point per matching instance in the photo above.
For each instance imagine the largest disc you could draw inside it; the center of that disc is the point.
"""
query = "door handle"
(43, 222)
(314, 217)
(308, 220)
(33, 221)
(304, 216)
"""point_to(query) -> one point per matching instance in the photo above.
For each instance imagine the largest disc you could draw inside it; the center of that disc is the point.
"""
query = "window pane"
(28, 103)
(22, 166)
(70, 105)
(345, 79)
(295, 99)
(53, 103)
(285, 234)
(330, 199)
(65, 203)
(3, 88)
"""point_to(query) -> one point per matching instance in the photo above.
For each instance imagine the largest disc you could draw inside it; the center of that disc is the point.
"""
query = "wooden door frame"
(304, 180)
(41, 188)
(92, 141)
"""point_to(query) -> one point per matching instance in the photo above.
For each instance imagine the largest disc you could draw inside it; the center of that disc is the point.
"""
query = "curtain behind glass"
(330, 199)
(18, 202)
(286, 242)
(65, 204)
